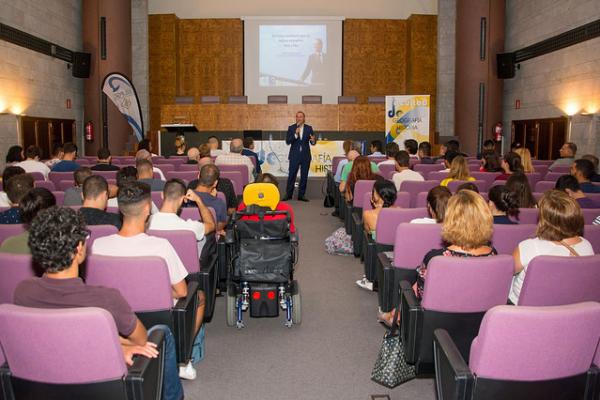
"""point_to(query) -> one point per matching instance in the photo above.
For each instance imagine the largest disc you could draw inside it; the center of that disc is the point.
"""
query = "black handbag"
(328, 201)
(391, 368)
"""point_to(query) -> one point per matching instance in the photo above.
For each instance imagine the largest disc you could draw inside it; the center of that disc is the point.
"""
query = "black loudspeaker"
(506, 65)
(81, 65)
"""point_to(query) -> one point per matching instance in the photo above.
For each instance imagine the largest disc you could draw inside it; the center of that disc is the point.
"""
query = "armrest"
(143, 380)
(411, 327)
(453, 378)
(207, 280)
(184, 320)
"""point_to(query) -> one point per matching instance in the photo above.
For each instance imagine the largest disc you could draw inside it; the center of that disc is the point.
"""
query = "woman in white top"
(559, 232)
(437, 199)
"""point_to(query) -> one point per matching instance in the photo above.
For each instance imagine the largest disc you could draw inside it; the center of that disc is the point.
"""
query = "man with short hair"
(95, 199)
(104, 161)
(404, 172)
(299, 136)
(569, 185)
(448, 157)
(411, 146)
(67, 164)
(235, 157)
(32, 163)
(248, 151)
(391, 149)
(567, 155)
(73, 195)
(375, 148)
(57, 155)
(207, 190)
(215, 146)
(583, 170)
(424, 153)
(57, 242)
(146, 155)
(193, 154)
(15, 188)
(132, 241)
(145, 174)
(594, 160)
(8, 173)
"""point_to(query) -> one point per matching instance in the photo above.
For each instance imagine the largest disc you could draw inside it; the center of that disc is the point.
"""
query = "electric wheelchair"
(262, 253)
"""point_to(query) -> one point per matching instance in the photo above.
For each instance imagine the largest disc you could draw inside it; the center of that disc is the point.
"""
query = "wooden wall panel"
(210, 58)
(375, 57)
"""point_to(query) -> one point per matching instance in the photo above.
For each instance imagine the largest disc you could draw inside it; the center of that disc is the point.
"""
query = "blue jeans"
(198, 350)
(172, 388)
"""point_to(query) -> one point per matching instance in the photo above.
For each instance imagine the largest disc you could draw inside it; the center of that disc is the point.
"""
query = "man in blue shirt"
(16, 188)
(583, 170)
(207, 190)
(68, 163)
(249, 151)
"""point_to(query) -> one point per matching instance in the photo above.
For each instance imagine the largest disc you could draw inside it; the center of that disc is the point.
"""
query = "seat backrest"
(346, 99)
(106, 174)
(437, 175)
(427, 168)
(45, 184)
(335, 161)
(589, 215)
(241, 168)
(66, 184)
(8, 230)
(236, 180)
(506, 238)
(32, 339)
(172, 167)
(481, 185)
(237, 99)
(262, 195)
(488, 177)
(185, 245)
(561, 169)
(416, 187)
(390, 218)
(592, 234)
(528, 215)
(544, 186)
(386, 170)
(554, 281)
(157, 198)
(84, 162)
(59, 195)
(186, 167)
(360, 188)
(529, 343)
(533, 178)
(56, 177)
(553, 176)
(97, 231)
(190, 213)
(186, 176)
(413, 241)
(312, 99)
(14, 268)
(467, 285)
(277, 99)
(210, 99)
(135, 278)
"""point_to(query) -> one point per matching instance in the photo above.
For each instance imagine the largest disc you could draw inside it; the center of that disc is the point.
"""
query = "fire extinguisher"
(498, 132)
(89, 131)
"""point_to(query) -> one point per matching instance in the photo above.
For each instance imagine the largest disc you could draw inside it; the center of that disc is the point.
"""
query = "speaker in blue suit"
(299, 136)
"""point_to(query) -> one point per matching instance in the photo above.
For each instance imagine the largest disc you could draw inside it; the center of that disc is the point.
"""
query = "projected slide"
(293, 55)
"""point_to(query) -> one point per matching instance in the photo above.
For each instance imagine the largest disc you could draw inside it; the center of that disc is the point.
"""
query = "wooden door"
(543, 137)
(46, 132)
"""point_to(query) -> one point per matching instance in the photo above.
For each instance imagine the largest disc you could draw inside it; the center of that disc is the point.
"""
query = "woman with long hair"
(180, 146)
(361, 170)
(525, 159)
(504, 205)
(519, 185)
(490, 163)
(437, 201)
(459, 171)
(510, 164)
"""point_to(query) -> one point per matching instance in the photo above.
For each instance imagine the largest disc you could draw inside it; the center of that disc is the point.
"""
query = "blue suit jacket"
(297, 144)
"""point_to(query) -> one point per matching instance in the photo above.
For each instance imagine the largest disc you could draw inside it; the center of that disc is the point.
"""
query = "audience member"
(503, 204)
(411, 146)
(33, 163)
(490, 163)
(174, 194)
(404, 173)
(468, 186)
(57, 155)
(146, 155)
(519, 185)
(73, 196)
(525, 160)
(437, 201)
(215, 146)
(57, 243)
(594, 160)
(132, 241)
(559, 233)
(569, 185)
(515, 145)
(8, 173)
(348, 146)
(224, 186)
(248, 151)
(193, 155)
(95, 200)
(391, 149)
(583, 170)
(510, 164)
(67, 164)
(145, 174)
(235, 157)
(448, 158)
(104, 161)
(14, 155)
(36, 200)
(424, 153)
(459, 171)
(489, 147)
(146, 144)
(124, 175)
(16, 188)
(353, 155)
(567, 155)
(207, 190)
(180, 146)
(361, 171)
(375, 148)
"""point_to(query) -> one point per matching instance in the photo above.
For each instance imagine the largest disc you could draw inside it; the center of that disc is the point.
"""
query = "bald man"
(235, 157)
(193, 154)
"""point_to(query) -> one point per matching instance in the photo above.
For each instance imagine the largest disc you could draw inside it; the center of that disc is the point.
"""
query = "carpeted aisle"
(328, 356)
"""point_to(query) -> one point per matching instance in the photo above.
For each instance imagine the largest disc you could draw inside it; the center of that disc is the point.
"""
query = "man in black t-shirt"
(104, 159)
(95, 198)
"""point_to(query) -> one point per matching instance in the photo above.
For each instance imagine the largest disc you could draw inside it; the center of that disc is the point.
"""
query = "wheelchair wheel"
(231, 307)
(296, 304)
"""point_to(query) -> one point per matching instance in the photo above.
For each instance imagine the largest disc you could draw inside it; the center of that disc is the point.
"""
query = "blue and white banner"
(121, 92)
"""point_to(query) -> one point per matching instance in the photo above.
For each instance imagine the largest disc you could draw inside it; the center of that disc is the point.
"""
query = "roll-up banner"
(119, 89)
(406, 117)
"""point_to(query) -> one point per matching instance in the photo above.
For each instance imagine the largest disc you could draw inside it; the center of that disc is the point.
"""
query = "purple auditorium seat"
(144, 282)
(90, 365)
(236, 179)
(65, 184)
(544, 186)
(335, 161)
(56, 177)
(523, 353)
(360, 188)
(241, 168)
(402, 200)
(488, 177)
(83, 162)
(188, 167)
(387, 170)
(157, 198)
(186, 176)
(555, 281)
(175, 161)
(593, 196)
(353, 220)
(377, 159)
(37, 176)
(45, 184)
(481, 185)
(427, 168)
(457, 293)
(541, 169)
(592, 234)
(114, 210)
(437, 176)
(8, 230)
(416, 187)
(14, 268)
(528, 215)
(542, 162)
(561, 169)
(106, 174)
(190, 213)
(166, 168)
(590, 214)
(411, 243)
(59, 196)
(97, 231)
(553, 176)
(506, 238)
(533, 178)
